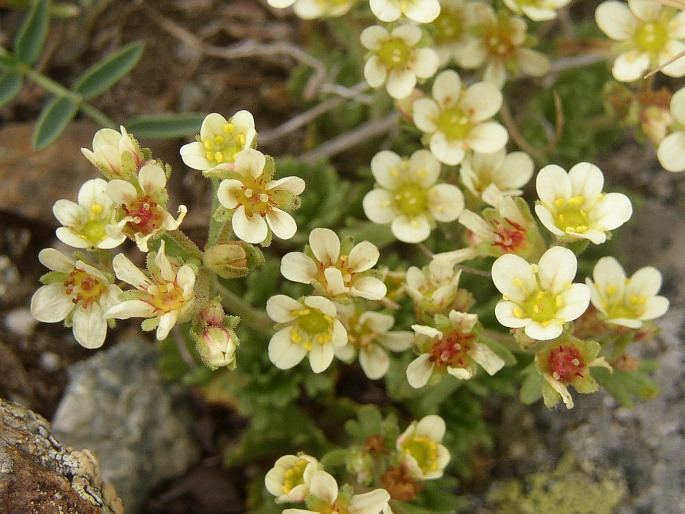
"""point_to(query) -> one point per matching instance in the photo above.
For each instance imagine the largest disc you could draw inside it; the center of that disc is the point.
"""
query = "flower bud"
(233, 259)
(216, 346)
(117, 155)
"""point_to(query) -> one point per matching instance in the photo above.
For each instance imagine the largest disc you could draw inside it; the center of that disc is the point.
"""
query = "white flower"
(502, 47)
(671, 151)
(421, 447)
(369, 336)
(539, 298)
(311, 9)
(84, 222)
(77, 293)
(116, 154)
(572, 205)
(164, 297)
(507, 227)
(454, 349)
(536, 10)
(216, 346)
(395, 58)
(143, 207)
(258, 201)
(312, 328)
(451, 30)
(456, 119)
(290, 478)
(435, 288)
(219, 142)
(325, 498)
(648, 33)
(509, 172)
(626, 301)
(335, 273)
(420, 11)
(408, 197)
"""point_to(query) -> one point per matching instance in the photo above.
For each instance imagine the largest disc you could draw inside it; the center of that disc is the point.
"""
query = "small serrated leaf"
(10, 86)
(52, 121)
(165, 126)
(101, 76)
(31, 37)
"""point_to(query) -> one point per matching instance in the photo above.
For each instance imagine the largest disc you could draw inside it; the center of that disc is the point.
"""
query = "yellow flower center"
(498, 40)
(570, 215)
(294, 476)
(448, 26)
(454, 123)
(255, 197)
(311, 327)
(395, 54)
(93, 231)
(167, 297)
(223, 148)
(424, 450)
(84, 289)
(541, 307)
(651, 37)
(628, 308)
(411, 199)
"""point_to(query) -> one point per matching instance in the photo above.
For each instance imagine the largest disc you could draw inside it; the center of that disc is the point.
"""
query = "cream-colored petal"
(325, 245)
(280, 308)
(445, 202)
(251, 230)
(557, 268)
(630, 66)
(482, 101)
(419, 371)
(378, 206)
(90, 327)
(281, 223)
(513, 277)
(320, 357)
(410, 230)
(51, 304)
(370, 288)
(616, 20)
(671, 152)
(298, 267)
(505, 314)
(283, 353)
(551, 183)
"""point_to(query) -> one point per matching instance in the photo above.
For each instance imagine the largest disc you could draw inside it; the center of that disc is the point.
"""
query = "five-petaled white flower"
(219, 142)
(572, 205)
(456, 118)
(326, 498)
(116, 154)
(539, 298)
(290, 478)
(454, 349)
(311, 9)
(536, 10)
(421, 448)
(508, 172)
(395, 58)
(164, 297)
(408, 197)
(420, 11)
(671, 151)
(648, 35)
(84, 223)
(369, 337)
(311, 328)
(501, 46)
(77, 293)
(626, 301)
(451, 30)
(334, 273)
(143, 207)
(258, 201)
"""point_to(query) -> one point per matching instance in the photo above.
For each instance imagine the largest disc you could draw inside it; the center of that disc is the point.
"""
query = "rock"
(40, 476)
(117, 405)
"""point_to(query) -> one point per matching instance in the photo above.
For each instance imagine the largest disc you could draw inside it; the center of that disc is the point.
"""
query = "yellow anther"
(581, 229)
(611, 289)
(207, 144)
(557, 301)
(240, 139)
(576, 200)
(228, 128)
(518, 313)
(393, 172)
(559, 202)
(96, 208)
(218, 157)
(209, 156)
(518, 282)
(636, 299)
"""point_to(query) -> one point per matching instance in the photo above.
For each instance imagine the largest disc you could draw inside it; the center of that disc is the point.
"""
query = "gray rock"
(117, 405)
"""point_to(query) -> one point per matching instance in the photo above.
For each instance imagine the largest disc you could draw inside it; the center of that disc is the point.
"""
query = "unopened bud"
(216, 346)
(233, 259)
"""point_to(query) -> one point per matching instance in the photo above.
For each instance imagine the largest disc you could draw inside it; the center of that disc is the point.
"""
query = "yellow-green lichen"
(564, 490)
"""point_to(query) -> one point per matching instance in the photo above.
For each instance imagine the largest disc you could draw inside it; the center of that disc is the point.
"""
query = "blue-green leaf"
(165, 126)
(104, 74)
(10, 85)
(52, 121)
(31, 37)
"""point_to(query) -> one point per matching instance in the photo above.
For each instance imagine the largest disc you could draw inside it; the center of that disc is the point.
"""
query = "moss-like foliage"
(564, 490)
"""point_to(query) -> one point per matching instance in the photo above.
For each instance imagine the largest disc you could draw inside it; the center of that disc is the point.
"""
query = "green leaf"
(165, 126)
(101, 76)
(52, 121)
(625, 386)
(531, 387)
(31, 37)
(10, 85)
